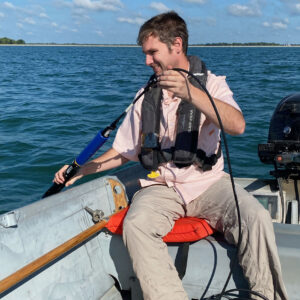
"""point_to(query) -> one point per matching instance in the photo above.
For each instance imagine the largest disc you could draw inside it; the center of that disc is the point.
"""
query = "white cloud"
(43, 15)
(20, 25)
(69, 29)
(159, 6)
(276, 25)
(195, 1)
(244, 10)
(137, 20)
(9, 5)
(33, 10)
(99, 5)
(80, 15)
(210, 21)
(279, 25)
(99, 32)
(61, 28)
(63, 3)
(29, 21)
(292, 5)
(1, 15)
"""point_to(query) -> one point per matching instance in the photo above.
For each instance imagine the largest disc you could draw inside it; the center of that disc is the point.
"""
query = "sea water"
(54, 100)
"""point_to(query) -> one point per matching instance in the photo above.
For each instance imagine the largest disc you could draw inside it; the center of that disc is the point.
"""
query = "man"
(179, 140)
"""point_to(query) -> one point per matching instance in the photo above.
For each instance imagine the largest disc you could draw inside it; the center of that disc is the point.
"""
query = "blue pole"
(95, 144)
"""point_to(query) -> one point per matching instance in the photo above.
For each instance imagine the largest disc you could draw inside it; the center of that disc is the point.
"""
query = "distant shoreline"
(135, 46)
(69, 45)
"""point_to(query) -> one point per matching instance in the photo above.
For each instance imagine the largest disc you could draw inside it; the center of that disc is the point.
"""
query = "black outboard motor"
(283, 147)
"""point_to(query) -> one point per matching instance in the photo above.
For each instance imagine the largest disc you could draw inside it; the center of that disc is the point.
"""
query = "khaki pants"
(152, 214)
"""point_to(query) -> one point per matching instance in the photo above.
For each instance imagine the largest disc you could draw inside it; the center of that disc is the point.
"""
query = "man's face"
(158, 55)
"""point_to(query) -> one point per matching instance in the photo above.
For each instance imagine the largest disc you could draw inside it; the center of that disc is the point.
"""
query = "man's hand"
(176, 83)
(59, 176)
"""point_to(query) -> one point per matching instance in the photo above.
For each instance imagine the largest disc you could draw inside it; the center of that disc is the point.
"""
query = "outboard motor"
(283, 151)
(283, 147)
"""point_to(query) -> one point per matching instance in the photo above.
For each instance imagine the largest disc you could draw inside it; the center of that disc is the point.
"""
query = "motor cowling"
(283, 147)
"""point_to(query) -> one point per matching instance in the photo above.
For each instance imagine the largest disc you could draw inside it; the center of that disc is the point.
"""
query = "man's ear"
(177, 45)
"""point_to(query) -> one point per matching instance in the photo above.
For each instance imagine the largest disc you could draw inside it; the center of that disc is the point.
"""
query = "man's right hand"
(60, 179)
(110, 159)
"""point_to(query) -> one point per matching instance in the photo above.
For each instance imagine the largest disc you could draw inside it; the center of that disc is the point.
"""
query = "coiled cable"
(229, 293)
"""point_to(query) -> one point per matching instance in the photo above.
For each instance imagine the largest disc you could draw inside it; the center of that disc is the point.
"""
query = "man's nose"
(149, 59)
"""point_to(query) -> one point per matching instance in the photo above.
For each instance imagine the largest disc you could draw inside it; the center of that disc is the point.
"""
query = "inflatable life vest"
(185, 152)
(188, 229)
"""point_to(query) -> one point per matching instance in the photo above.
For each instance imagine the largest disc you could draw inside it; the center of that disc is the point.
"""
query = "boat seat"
(187, 229)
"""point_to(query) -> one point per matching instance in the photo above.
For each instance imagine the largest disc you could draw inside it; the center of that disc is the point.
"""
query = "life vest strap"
(202, 160)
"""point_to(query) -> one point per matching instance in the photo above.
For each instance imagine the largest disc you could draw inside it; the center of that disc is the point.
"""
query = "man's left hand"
(177, 83)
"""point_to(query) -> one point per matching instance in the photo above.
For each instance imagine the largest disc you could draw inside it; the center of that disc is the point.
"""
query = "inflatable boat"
(60, 247)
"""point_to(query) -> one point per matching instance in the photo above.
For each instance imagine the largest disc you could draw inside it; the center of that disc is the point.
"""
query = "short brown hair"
(166, 27)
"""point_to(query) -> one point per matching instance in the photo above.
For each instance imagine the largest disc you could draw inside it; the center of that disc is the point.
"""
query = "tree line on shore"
(6, 40)
(243, 44)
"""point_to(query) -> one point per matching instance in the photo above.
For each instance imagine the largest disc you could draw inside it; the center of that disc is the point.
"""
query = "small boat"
(97, 266)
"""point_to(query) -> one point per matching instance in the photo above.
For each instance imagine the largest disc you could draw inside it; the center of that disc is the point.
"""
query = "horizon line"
(218, 44)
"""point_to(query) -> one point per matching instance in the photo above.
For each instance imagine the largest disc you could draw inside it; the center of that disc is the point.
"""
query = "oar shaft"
(47, 258)
(57, 187)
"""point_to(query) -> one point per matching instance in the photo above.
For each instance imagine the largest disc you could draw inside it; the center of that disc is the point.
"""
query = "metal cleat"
(97, 214)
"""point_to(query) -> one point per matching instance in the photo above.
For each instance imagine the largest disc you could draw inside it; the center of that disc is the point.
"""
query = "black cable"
(223, 293)
(231, 293)
(151, 82)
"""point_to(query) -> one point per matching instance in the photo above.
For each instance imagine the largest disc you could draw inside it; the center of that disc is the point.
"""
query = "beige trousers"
(152, 214)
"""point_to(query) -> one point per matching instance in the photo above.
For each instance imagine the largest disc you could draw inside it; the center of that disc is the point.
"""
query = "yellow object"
(153, 174)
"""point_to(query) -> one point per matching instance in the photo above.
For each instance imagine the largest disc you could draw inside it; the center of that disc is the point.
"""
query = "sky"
(118, 21)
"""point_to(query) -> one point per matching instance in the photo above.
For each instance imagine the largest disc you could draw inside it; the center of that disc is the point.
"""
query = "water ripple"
(55, 99)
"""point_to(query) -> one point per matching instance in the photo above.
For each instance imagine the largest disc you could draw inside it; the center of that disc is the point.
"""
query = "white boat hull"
(96, 267)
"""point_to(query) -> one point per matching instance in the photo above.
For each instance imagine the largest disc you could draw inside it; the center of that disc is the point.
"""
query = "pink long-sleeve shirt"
(188, 182)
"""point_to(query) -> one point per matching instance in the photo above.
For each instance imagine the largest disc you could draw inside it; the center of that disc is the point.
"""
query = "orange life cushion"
(186, 229)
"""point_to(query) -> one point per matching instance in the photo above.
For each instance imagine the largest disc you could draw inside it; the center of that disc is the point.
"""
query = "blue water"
(53, 100)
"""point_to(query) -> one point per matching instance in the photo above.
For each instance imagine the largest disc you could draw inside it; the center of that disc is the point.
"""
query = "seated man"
(173, 131)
